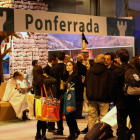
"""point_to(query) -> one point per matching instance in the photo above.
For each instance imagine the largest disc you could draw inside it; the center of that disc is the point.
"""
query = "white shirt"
(29, 73)
(49, 64)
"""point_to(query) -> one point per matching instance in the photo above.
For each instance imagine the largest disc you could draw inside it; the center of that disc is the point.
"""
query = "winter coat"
(126, 101)
(99, 83)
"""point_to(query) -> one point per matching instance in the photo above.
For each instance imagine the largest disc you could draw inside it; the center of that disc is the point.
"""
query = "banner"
(51, 22)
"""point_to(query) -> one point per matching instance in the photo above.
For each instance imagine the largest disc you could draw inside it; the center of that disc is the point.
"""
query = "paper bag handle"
(46, 92)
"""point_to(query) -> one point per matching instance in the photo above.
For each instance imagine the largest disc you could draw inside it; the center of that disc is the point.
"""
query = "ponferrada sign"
(49, 24)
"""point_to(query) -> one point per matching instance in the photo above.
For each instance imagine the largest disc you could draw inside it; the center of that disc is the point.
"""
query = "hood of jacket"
(125, 65)
(98, 69)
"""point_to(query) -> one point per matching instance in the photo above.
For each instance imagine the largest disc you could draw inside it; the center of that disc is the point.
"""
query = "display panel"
(72, 44)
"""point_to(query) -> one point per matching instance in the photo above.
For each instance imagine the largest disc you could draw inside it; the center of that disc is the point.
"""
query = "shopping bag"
(47, 109)
(85, 106)
(111, 117)
(69, 105)
(38, 109)
(31, 105)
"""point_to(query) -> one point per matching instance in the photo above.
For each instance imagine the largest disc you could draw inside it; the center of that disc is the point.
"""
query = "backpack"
(132, 82)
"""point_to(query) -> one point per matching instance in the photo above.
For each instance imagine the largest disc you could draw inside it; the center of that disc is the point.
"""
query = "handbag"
(47, 108)
(69, 105)
(132, 82)
(128, 90)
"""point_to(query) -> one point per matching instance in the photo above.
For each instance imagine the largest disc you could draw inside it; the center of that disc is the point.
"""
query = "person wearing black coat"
(38, 80)
(117, 73)
(98, 90)
(72, 77)
(57, 72)
(126, 105)
(52, 61)
(81, 73)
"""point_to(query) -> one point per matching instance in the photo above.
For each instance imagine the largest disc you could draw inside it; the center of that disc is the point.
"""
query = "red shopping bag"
(49, 107)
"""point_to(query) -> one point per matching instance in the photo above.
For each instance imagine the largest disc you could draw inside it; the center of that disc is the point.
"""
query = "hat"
(85, 51)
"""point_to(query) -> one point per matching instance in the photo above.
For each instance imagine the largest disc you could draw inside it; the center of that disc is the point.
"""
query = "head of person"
(113, 56)
(80, 58)
(135, 62)
(21, 78)
(122, 56)
(67, 58)
(53, 59)
(61, 56)
(34, 63)
(38, 76)
(100, 59)
(108, 59)
(18, 75)
(132, 62)
(70, 67)
(91, 63)
(85, 54)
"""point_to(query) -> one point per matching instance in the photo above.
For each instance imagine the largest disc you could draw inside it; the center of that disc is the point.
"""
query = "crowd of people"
(100, 82)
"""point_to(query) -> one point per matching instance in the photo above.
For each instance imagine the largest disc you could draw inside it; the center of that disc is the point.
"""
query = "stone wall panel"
(33, 47)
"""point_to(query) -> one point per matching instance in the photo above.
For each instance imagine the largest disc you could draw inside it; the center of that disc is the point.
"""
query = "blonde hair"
(80, 57)
(100, 58)
(17, 73)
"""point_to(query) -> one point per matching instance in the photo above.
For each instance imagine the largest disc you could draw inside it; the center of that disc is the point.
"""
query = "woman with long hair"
(38, 80)
(71, 77)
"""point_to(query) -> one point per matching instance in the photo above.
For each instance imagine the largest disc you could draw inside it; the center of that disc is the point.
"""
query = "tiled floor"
(19, 130)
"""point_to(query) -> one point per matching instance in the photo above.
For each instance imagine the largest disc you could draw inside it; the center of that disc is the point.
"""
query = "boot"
(77, 133)
(44, 138)
(70, 137)
(25, 117)
(38, 137)
(85, 130)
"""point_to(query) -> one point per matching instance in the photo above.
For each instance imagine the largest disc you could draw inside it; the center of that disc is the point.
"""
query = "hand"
(111, 103)
(69, 85)
(29, 90)
(19, 89)
(83, 78)
(45, 75)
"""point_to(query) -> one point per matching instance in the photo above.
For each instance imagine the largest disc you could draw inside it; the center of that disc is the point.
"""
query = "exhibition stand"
(35, 33)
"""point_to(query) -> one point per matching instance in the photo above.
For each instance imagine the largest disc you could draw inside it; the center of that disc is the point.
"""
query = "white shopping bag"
(111, 117)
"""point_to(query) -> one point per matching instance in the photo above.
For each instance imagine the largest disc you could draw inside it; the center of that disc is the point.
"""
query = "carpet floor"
(26, 130)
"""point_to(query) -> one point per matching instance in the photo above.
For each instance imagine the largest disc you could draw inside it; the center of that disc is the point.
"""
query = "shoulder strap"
(48, 90)
(72, 84)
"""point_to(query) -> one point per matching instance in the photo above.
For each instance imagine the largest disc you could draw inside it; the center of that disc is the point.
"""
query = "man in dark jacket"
(126, 105)
(98, 90)
(117, 73)
(82, 73)
(57, 73)
(52, 61)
